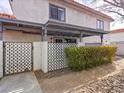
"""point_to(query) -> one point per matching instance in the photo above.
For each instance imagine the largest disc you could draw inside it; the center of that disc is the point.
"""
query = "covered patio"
(66, 30)
(51, 29)
(47, 42)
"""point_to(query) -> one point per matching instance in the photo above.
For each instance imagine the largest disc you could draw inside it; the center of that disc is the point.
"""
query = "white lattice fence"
(17, 57)
(56, 58)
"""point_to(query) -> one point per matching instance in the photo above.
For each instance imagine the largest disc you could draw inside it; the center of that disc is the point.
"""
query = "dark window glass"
(57, 13)
(65, 40)
(61, 14)
(53, 12)
(59, 41)
(70, 40)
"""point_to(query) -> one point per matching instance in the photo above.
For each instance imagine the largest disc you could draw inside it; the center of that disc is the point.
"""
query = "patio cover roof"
(20, 22)
(53, 27)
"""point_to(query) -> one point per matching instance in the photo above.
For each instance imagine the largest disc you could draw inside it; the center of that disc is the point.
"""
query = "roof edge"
(117, 31)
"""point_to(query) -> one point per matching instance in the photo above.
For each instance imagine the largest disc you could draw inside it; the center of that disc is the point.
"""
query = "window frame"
(58, 7)
(100, 24)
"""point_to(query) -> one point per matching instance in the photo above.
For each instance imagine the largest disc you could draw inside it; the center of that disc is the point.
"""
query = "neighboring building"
(117, 36)
(61, 20)
(8, 16)
(117, 39)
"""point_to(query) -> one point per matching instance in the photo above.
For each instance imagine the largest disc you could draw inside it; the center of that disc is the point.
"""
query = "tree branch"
(111, 3)
(116, 1)
(116, 12)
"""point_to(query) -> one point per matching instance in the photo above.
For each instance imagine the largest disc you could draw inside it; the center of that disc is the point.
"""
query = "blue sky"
(5, 6)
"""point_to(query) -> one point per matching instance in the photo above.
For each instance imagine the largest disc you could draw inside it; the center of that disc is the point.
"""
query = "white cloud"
(5, 7)
(117, 25)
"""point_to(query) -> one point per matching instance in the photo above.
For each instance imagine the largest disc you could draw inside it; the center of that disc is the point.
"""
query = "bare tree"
(113, 6)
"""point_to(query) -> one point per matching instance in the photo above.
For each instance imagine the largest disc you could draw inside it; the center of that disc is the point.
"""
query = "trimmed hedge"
(80, 58)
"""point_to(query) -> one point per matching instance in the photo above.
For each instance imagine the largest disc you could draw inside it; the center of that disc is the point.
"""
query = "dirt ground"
(62, 81)
(111, 84)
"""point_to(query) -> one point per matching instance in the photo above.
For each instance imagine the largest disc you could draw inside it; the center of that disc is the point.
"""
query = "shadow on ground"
(63, 80)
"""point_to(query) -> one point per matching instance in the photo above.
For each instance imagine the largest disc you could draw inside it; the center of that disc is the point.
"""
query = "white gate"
(17, 57)
(56, 57)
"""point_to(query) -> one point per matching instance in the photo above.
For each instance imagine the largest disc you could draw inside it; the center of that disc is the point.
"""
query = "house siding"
(108, 38)
(81, 18)
(17, 36)
(31, 10)
(97, 39)
(117, 37)
(38, 11)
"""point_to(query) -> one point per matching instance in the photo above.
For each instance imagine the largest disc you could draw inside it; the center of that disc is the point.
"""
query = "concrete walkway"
(21, 83)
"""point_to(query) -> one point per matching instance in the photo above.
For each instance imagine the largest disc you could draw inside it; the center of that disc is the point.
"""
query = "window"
(100, 24)
(65, 40)
(57, 13)
(70, 40)
(59, 41)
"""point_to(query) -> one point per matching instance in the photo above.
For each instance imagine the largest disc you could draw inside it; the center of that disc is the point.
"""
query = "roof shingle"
(8, 16)
(117, 31)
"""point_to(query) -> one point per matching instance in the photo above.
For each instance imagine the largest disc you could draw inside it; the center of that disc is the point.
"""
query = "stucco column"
(1, 30)
(37, 50)
(1, 59)
(45, 34)
(44, 56)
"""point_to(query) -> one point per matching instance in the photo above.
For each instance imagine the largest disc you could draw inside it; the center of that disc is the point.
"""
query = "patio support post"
(45, 33)
(101, 36)
(81, 35)
(41, 35)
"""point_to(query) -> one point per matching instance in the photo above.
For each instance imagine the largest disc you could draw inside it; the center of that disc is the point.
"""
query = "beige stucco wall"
(19, 36)
(108, 38)
(38, 11)
(97, 39)
(10, 35)
(117, 37)
(31, 10)
(92, 39)
(81, 18)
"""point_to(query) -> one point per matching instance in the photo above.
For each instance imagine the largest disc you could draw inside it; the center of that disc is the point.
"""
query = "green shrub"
(79, 58)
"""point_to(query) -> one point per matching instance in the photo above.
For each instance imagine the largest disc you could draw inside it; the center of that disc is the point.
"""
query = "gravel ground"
(111, 84)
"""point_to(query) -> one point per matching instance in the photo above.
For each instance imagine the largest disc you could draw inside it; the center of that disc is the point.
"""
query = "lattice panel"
(18, 57)
(56, 58)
